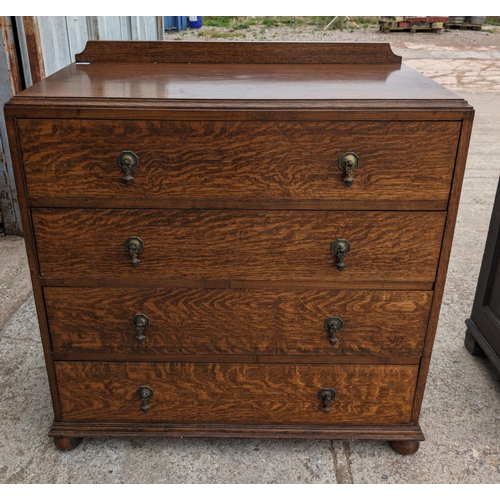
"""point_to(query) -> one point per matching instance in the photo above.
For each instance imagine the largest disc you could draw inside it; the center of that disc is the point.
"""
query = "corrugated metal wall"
(58, 39)
(63, 37)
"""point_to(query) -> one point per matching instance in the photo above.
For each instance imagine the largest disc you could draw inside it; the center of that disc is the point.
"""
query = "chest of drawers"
(238, 239)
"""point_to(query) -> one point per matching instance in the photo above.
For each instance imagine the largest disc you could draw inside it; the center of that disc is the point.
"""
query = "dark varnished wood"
(66, 443)
(218, 321)
(298, 359)
(244, 161)
(234, 83)
(405, 447)
(483, 332)
(239, 53)
(166, 430)
(236, 393)
(255, 109)
(239, 245)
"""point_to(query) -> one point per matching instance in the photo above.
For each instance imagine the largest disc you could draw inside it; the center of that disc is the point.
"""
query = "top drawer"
(239, 161)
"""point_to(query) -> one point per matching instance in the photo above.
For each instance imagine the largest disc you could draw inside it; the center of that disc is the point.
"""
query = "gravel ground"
(456, 40)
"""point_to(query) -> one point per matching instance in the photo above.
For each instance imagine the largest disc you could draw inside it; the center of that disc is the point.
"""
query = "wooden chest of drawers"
(238, 239)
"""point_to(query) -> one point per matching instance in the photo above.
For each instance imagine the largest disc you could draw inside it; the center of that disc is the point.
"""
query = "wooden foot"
(67, 443)
(405, 447)
(471, 345)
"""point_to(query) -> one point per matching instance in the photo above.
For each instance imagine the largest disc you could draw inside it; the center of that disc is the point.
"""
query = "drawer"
(231, 393)
(239, 160)
(236, 321)
(79, 244)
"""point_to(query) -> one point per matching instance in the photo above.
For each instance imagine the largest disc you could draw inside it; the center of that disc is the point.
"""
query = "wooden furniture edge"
(351, 433)
(222, 52)
(15, 150)
(400, 109)
(442, 269)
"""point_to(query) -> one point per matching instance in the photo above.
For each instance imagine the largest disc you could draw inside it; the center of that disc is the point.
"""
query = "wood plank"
(243, 394)
(239, 245)
(239, 52)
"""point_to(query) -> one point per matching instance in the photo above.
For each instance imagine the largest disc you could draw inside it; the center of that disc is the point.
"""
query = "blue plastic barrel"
(195, 22)
(174, 23)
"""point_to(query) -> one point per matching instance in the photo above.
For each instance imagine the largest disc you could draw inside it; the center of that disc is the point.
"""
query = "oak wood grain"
(239, 245)
(193, 160)
(219, 321)
(31, 252)
(239, 232)
(244, 394)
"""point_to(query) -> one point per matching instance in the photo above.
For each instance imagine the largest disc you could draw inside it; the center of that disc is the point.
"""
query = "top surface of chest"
(241, 71)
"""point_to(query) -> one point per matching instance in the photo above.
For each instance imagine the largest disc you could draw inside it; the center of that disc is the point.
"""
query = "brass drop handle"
(333, 326)
(140, 322)
(128, 161)
(134, 246)
(326, 396)
(348, 163)
(145, 394)
(340, 248)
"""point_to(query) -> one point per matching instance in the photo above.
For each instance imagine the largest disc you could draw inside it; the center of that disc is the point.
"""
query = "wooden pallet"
(463, 26)
(411, 29)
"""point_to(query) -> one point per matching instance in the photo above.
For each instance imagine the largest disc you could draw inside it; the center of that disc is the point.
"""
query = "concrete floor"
(461, 410)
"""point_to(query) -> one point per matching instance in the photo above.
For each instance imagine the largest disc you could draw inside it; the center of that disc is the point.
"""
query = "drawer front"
(238, 321)
(230, 393)
(238, 245)
(239, 160)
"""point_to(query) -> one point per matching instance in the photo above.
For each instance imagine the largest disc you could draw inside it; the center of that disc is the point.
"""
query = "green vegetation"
(244, 23)
(493, 20)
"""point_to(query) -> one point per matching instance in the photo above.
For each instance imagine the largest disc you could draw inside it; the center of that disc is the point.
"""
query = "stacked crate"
(412, 23)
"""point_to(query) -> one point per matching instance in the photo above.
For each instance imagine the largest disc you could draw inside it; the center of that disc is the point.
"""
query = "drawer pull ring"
(340, 248)
(140, 322)
(134, 246)
(128, 161)
(333, 326)
(145, 394)
(327, 396)
(348, 163)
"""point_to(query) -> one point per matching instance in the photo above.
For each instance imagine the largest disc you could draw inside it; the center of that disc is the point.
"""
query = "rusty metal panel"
(35, 53)
(10, 83)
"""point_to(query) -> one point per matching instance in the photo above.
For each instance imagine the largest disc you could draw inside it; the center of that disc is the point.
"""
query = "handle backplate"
(134, 246)
(145, 393)
(326, 396)
(340, 248)
(348, 163)
(333, 326)
(140, 322)
(128, 161)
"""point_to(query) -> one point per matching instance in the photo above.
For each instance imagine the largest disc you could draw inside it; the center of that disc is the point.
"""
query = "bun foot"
(405, 447)
(67, 443)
